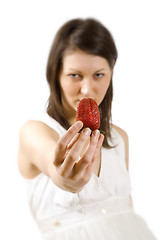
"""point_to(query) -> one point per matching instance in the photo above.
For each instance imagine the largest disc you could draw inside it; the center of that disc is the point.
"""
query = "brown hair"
(91, 36)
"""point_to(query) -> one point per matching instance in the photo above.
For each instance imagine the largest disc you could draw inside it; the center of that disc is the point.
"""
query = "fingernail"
(87, 131)
(96, 133)
(101, 139)
(78, 125)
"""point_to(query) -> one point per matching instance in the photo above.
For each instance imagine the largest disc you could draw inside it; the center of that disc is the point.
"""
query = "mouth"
(86, 97)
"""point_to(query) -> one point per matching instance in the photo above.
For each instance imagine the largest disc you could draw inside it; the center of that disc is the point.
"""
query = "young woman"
(78, 183)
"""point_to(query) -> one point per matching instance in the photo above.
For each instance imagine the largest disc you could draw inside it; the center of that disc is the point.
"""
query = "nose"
(86, 87)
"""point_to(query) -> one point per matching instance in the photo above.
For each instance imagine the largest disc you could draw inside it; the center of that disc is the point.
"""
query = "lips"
(86, 97)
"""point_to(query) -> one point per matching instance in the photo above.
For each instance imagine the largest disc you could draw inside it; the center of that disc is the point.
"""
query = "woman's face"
(83, 75)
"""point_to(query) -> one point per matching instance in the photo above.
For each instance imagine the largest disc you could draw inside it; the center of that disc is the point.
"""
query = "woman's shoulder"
(124, 137)
(41, 124)
(38, 127)
(121, 131)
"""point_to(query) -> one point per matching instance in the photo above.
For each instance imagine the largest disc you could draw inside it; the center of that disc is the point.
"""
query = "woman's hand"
(74, 156)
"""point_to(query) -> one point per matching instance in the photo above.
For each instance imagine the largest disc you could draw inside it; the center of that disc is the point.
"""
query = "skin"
(83, 75)
(70, 160)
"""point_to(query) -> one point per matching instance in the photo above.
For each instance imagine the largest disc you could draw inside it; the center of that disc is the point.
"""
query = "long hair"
(90, 36)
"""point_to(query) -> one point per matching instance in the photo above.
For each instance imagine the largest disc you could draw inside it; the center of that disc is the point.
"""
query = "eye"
(99, 75)
(74, 75)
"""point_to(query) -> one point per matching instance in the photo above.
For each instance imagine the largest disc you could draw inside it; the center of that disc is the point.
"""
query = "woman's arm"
(37, 142)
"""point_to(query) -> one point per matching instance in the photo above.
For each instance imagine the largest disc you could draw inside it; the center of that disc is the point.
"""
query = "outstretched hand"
(74, 157)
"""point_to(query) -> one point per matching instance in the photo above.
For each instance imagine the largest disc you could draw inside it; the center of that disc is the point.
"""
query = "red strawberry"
(88, 113)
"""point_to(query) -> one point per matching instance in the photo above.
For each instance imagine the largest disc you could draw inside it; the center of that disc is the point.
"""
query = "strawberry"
(88, 113)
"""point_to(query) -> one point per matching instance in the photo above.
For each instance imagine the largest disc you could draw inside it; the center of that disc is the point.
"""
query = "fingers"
(72, 142)
(74, 153)
(69, 148)
(96, 141)
(64, 141)
(99, 144)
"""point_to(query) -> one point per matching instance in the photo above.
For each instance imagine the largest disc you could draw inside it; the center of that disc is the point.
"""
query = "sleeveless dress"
(102, 210)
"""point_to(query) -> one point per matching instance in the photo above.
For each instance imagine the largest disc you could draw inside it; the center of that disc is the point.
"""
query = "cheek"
(103, 87)
(64, 87)
(69, 91)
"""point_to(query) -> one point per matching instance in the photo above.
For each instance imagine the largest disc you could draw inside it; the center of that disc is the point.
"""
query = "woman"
(78, 182)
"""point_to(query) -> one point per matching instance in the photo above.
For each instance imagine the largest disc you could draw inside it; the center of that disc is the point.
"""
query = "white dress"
(102, 210)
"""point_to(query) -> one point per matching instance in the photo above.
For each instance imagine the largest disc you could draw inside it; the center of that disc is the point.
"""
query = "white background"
(27, 29)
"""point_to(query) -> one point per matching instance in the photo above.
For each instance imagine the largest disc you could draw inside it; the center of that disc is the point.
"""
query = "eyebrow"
(81, 72)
